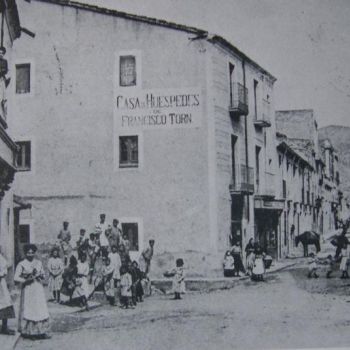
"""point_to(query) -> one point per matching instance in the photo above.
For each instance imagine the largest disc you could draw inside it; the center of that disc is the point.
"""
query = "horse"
(306, 238)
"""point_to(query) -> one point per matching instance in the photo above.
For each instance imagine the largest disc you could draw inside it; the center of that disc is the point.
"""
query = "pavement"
(288, 310)
(211, 284)
(57, 311)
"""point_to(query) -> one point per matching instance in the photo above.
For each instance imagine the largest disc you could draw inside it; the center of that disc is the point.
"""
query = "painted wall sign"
(157, 109)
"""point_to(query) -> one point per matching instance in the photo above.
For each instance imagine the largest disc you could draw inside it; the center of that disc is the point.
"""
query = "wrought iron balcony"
(263, 118)
(244, 182)
(238, 100)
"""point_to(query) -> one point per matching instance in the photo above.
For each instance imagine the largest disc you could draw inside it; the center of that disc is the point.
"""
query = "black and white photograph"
(174, 174)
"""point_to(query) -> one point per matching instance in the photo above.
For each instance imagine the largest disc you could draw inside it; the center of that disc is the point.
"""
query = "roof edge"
(162, 23)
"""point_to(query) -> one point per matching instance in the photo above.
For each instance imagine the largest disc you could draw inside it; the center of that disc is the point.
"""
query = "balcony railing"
(244, 182)
(238, 100)
(263, 118)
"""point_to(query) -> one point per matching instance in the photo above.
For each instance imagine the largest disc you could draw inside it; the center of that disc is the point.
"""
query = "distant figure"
(33, 321)
(344, 262)
(101, 229)
(82, 242)
(55, 266)
(107, 280)
(331, 266)
(312, 261)
(229, 265)
(146, 257)
(82, 287)
(69, 276)
(249, 251)
(259, 267)
(115, 235)
(64, 238)
(7, 310)
(125, 284)
(237, 256)
(179, 279)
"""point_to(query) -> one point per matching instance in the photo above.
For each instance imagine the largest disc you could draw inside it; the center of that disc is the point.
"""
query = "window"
(127, 69)
(128, 152)
(24, 156)
(255, 99)
(132, 231)
(23, 78)
(24, 234)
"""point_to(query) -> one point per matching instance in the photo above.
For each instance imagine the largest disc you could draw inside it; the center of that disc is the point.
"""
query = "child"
(125, 284)
(55, 267)
(116, 263)
(259, 266)
(69, 278)
(82, 287)
(312, 266)
(228, 264)
(178, 275)
(331, 266)
(137, 289)
(108, 282)
(93, 250)
(344, 262)
(126, 243)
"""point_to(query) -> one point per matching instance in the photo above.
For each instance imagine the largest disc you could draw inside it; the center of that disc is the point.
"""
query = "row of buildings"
(166, 127)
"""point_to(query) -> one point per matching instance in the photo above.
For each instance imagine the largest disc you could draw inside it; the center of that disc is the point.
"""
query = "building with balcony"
(309, 177)
(10, 31)
(163, 126)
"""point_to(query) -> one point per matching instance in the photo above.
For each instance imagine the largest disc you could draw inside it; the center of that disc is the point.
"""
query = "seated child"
(107, 280)
(312, 266)
(125, 285)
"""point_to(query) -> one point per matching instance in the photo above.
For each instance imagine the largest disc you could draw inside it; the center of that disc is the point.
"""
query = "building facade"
(10, 31)
(165, 127)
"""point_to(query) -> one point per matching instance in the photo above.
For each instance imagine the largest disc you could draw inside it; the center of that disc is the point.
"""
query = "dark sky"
(305, 44)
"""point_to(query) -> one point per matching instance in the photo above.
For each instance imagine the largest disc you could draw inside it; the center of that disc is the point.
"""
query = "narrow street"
(287, 311)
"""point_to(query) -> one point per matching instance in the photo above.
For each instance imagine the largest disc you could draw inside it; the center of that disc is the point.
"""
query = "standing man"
(101, 229)
(146, 257)
(6, 308)
(64, 238)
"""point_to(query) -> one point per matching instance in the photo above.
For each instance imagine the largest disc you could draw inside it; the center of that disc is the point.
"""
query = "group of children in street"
(100, 262)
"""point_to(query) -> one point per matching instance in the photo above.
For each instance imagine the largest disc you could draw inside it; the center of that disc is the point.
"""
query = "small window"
(127, 69)
(132, 231)
(24, 156)
(128, 152)
(23, 78)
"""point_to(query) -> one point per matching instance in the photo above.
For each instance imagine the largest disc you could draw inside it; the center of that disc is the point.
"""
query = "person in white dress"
(82, 286)
(55, 266)
(6, 307)
(34, 318)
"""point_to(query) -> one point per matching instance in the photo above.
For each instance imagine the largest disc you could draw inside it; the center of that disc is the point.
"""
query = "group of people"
(255, 261)
(100, 262)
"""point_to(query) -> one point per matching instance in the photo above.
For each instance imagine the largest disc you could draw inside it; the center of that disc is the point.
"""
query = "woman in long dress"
(250, 256)
(259, 267)
(6, 307)
(33, 321)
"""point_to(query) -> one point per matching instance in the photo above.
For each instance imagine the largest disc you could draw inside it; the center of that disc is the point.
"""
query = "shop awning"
(266, 204)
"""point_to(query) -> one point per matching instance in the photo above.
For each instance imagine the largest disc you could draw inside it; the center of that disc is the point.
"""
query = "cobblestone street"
(288, 310)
